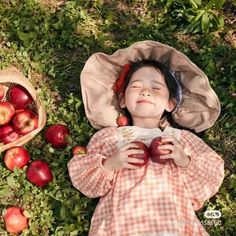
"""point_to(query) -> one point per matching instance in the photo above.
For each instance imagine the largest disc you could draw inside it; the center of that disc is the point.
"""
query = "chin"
(144, 113)
(146, 117)
(147, 114)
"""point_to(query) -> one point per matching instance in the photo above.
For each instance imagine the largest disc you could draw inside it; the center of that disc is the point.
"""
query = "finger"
(170, 139)
(166, 146)
(128, 146)
(135, 160)
(133, 151)
(167, 156)
(174, 141)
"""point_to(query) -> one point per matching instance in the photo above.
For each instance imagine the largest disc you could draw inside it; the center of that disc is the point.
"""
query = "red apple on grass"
(57, 135)
(144, 156)
(156, 153)
(2, 92)
(15, 220)
(79, 150)
(7, 111)
(39, 173)
(19, 97)
(16, 157)
(25, 121)
(122, 121)
(12, 136)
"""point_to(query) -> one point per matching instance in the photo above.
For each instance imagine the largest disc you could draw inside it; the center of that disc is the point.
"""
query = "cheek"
(131, 91)
(166, 93)
(129, 94)
(162, 94)
(130, 99)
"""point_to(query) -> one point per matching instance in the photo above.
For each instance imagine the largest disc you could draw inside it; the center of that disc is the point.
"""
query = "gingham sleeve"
(205, 173)
(86, 171)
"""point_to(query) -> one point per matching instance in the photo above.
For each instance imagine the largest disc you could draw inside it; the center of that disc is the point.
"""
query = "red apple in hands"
(16, 157)
(7, 111)
(25, 121)
(57, 135)
(39, 173)
(19, 97)
(79, 150)
(2, 92)
(15, 221)
(144, 156)
(155, 152)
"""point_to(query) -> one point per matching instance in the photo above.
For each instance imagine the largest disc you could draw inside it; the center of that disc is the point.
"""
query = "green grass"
(51, 43)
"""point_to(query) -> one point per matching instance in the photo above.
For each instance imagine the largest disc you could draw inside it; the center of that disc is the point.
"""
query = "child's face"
(147, 95)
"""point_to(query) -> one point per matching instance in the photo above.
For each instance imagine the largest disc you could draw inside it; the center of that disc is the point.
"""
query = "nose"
(145, 92)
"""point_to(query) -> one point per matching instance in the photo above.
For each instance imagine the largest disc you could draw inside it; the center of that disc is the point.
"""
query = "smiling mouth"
(144, 101)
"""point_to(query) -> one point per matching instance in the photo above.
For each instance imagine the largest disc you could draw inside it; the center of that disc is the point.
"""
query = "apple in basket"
(156, 153)
(19, 97)
(4, 131)
(2, 92)
(25, 121)
(144, 156)
(57, 135)
(39, 173)
(12, 136)
(16, 157)
(15, 220)
(7, 111)
(7, 134)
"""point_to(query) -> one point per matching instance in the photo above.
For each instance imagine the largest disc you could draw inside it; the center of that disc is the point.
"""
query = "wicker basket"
(10, 77)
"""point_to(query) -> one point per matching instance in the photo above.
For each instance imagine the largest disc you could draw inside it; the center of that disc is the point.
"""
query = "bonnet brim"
(200, 106)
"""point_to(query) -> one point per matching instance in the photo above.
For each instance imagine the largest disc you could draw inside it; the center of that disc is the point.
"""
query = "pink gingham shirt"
(155, 200)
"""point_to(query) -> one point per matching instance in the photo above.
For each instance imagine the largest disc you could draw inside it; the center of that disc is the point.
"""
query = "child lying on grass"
(157, 199)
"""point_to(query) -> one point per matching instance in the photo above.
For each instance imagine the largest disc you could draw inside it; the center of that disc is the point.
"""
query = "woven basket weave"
(12, 76)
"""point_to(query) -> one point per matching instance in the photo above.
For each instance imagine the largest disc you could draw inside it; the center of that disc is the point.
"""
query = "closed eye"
(157, 88)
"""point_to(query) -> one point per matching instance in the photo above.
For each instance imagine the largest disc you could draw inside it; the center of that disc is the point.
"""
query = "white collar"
(127, 134)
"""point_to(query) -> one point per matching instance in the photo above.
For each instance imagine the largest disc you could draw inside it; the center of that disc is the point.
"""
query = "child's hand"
(121, 158)
(177, 152)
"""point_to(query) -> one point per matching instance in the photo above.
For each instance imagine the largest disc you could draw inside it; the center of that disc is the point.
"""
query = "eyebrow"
(156, 82)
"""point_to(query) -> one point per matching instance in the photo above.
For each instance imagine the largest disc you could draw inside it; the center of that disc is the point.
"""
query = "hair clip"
(119, 84)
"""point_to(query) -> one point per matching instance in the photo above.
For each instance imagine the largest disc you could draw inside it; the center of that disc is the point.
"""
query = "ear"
(122, 102)
(171, 105)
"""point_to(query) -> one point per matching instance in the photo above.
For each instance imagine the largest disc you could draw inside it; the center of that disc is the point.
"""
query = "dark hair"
(172, 84)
